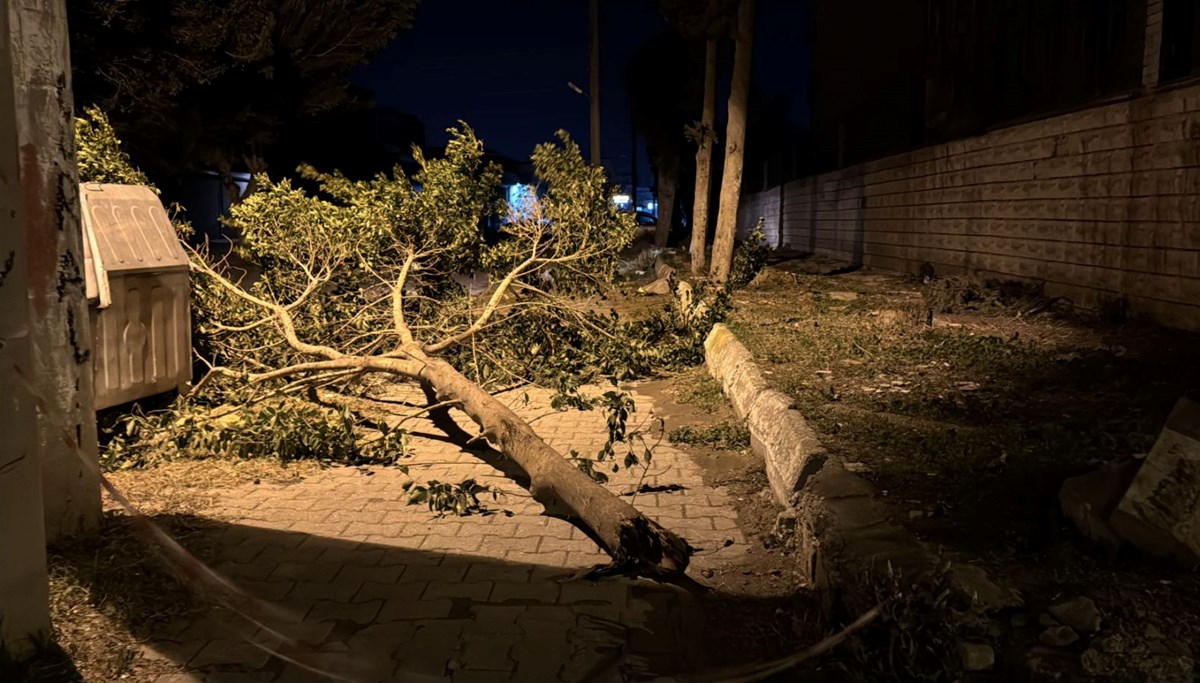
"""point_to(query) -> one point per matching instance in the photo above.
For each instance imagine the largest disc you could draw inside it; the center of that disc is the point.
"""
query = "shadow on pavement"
(373, 612)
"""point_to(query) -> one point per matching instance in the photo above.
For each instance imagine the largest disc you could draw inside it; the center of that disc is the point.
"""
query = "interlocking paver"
(484, 597)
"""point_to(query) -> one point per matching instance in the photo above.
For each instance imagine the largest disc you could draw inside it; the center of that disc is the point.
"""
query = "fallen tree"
(366, 277)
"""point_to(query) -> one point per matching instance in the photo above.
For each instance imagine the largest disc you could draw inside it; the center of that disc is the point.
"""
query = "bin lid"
(125, 230)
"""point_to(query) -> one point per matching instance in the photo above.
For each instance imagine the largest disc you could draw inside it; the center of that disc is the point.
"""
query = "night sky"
(503, 67)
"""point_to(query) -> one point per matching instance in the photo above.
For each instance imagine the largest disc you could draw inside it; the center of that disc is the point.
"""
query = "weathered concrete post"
(59, 331)
(23, 590)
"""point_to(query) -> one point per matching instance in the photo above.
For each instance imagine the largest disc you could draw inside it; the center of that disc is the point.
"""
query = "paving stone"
(495, 619)
(536, 592)
(449, 572)
(341, 591)
(395, 610)
(308, 573)
(490, 571)
(402, 590)
(358, 612)
(556, 558)
(227, 651)
(488, 652)
(444, 589)
(357, 574)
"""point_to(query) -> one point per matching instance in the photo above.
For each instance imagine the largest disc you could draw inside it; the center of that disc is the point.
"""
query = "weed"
(724, 436)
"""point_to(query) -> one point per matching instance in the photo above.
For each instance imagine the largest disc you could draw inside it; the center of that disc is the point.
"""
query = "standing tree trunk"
(735, 138)
(594, 79)
(704, 160)
(60, 333)
(668, 179)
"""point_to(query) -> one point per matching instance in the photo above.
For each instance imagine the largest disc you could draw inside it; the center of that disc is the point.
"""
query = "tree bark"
(735, 138)
(668, 179)
(638, 545)
(704, 160)
(60, 334)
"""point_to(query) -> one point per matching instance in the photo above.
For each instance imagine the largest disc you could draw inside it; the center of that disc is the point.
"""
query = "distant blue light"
(520, 199)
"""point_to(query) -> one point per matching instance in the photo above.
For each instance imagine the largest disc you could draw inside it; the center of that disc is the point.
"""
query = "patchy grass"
(967, 426)
(973, 417)
(725, 436)
(697, 388)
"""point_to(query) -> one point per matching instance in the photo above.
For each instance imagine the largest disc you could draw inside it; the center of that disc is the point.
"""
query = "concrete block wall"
(1100, 204)
(764, 204)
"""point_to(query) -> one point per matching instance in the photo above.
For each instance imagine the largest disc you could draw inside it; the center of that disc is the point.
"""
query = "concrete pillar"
(1152, 54)
(59, 332)
(24, 610)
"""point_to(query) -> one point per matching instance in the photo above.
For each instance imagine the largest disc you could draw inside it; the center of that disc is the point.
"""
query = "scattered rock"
(886, 316)
(968, 386)
(659, 286)
(856, 467)
(1079, 613)
(684, 295)
(986, 596)
(1153, 633)
(1059, 636)
(843, 296)
(1160, 512)
(662, 270)
(1089, 500)
(976, 657)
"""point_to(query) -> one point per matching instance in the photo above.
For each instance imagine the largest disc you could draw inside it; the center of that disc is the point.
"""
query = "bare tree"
(735, 137)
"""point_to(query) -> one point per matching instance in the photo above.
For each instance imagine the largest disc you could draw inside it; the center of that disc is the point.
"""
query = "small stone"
(1019, 620)
(1158, 647)
(1045, 619)
(1180, 648)
(857, 467)
(843, 296)
(976, 657)
(1079, 613)
(1059, 636)
(706, 573)
(916, 514)
(1153, 633)
(659, 286)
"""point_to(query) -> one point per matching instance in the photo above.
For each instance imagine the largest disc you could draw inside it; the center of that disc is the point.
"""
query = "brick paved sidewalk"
(392, 593)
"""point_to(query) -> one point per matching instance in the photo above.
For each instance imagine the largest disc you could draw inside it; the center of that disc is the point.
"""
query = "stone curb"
(842, 533)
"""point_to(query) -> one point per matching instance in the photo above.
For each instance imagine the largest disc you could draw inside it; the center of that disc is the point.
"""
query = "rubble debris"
(1160, 511)
(659, 286)
(976, 657)
(1059, 636)
(1090, 499)
(1079, 613)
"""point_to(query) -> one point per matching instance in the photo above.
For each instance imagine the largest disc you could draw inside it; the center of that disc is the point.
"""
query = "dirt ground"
(967, 424)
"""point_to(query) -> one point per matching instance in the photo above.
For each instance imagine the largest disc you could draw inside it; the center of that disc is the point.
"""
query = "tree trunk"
(638, 545)
(704, 160)
(735, 138)
(668, 178)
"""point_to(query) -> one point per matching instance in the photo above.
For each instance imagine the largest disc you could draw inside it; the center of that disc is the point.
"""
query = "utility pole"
(633, 158)
(594, 68)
